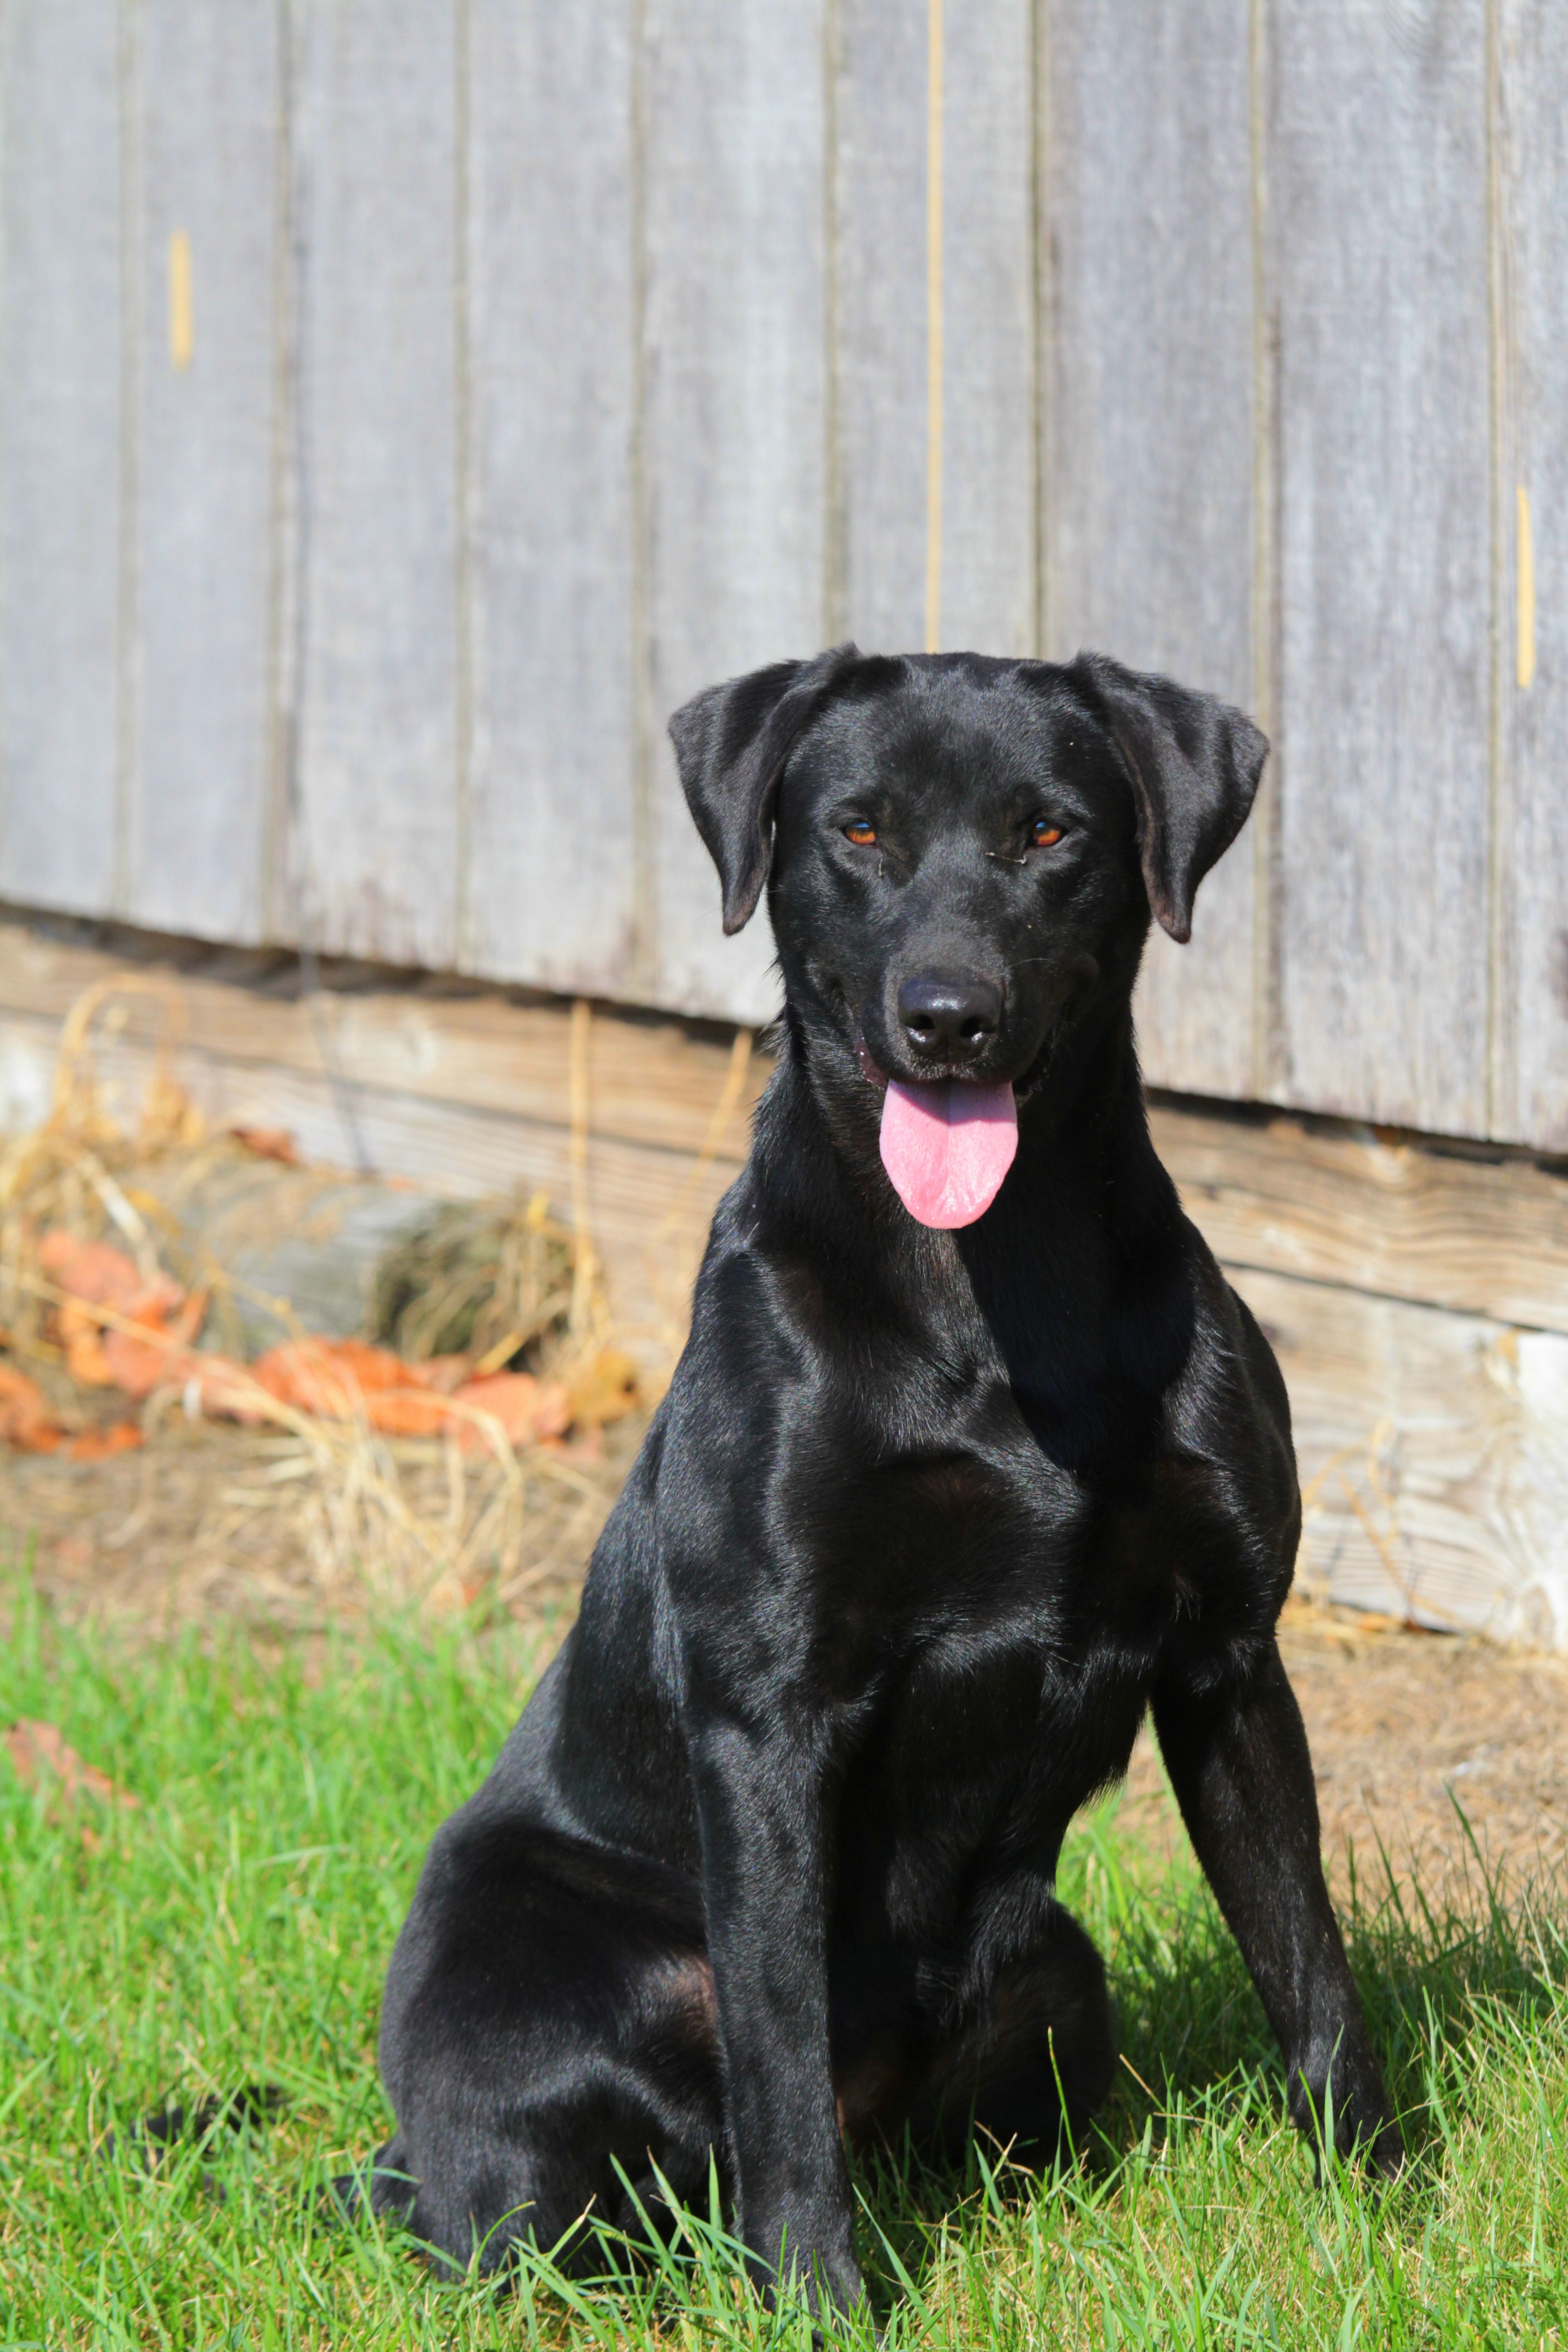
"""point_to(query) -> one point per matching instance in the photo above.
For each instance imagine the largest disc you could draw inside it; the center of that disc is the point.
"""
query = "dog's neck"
(1084, 1149)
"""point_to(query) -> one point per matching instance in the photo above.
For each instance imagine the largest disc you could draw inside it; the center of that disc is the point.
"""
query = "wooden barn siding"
(547, 362)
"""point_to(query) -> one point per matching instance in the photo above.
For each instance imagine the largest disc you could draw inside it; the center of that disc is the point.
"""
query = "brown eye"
(1046, 834)
(862, 835)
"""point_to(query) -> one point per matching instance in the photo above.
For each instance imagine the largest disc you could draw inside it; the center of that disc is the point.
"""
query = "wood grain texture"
(651, 1081)
(1321, 1203)
(989, 520)
(1433, 1436)
(1149, 426)
(552, 890)
(988, 525)
(734, 429)
(879, 325)
(1348, 1209)
(1530, 947)
(1378, 180)
(1432, 1450)
(60, 453)
(207, 467)
(376, 194)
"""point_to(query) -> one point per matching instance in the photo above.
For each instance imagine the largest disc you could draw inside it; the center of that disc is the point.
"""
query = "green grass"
(234, 1927)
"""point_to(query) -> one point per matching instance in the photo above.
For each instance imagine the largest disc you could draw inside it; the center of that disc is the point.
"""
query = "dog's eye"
(1045, 835)
(862, 835)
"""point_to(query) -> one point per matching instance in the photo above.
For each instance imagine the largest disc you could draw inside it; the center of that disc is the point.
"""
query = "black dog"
(943, 1497)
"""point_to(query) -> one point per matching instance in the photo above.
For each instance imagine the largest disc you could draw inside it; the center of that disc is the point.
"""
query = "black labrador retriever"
(972, 1456)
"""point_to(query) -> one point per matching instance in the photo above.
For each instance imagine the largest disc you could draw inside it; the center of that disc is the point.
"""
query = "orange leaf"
(139, 1366)
(268, 1143)
(28, 1420)
(95, 1271)
(82, 1336)
(331, 1376)
(96, 1445)
(525, 1409)
(39, 1748)
(409, 1413)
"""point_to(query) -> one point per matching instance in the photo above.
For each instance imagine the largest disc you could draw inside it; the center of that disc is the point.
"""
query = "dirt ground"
(1408, 1730)
(1402, 1724)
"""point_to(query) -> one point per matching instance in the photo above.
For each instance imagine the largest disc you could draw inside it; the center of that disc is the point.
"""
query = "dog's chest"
(996, 1550)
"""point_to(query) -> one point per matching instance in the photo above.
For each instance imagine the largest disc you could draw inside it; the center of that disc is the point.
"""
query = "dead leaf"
(331, 1376)
(98, 1444)
(527, 1409)
(268, 1143)
(81, 1336)
(94, 1271)
(162, 1359)
(28, 1420)
(101, 1352)
(38, 1748)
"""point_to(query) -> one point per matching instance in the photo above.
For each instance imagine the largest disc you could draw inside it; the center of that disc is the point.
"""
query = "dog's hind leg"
(548, 2035)
(1031, 2069)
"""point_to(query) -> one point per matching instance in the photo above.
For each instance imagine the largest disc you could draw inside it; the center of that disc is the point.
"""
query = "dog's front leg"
(1238, 1762)
(760, 1796)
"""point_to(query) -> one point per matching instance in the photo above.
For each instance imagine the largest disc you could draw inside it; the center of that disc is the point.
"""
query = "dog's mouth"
(947, 1143)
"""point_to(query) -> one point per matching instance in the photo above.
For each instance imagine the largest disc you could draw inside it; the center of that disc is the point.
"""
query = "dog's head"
(960, 854)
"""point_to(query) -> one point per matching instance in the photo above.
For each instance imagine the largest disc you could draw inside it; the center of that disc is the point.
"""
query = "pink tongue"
(947, 1147)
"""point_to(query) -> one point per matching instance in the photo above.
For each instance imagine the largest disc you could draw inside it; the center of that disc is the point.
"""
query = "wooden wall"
(404, 404)
(1417, 1298)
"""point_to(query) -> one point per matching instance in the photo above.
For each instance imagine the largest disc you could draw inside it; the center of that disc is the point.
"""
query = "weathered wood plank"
(987, 549)
(1530, 972)
(1148, 466)
(1378, 201)
(552, 307)
(374, 85)
(651, 1081)
(1348, 1209)
(1432, 1444)
(989, 512)
(1433, 1450)
(734, 422)
(1318, 1202)
(60, 362)
(206, 342)
(879, 197)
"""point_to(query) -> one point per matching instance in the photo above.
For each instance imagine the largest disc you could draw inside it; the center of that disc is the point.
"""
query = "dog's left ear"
(1195, 764)
(731, 745)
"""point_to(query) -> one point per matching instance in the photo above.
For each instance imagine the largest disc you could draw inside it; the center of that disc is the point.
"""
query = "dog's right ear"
(731, 745)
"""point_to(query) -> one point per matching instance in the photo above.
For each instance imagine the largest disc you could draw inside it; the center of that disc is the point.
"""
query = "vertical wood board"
(1378, 211)
(879, 193)
(376, 866)
(1149, 426)
(550, 350)
(988, 459)
(60, 458)
(206, 471)
(883, 325)
(1531, 1033)
(734, 426)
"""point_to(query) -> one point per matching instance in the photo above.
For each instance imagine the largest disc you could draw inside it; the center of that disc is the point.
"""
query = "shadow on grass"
(1197, 2048)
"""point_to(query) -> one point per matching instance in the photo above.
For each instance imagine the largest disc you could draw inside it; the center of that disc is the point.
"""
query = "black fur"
(925, 1524)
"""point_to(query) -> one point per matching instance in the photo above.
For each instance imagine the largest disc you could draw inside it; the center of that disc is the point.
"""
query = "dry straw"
(313, 1517)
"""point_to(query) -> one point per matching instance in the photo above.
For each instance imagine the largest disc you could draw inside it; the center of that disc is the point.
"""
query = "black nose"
(950, 1016)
